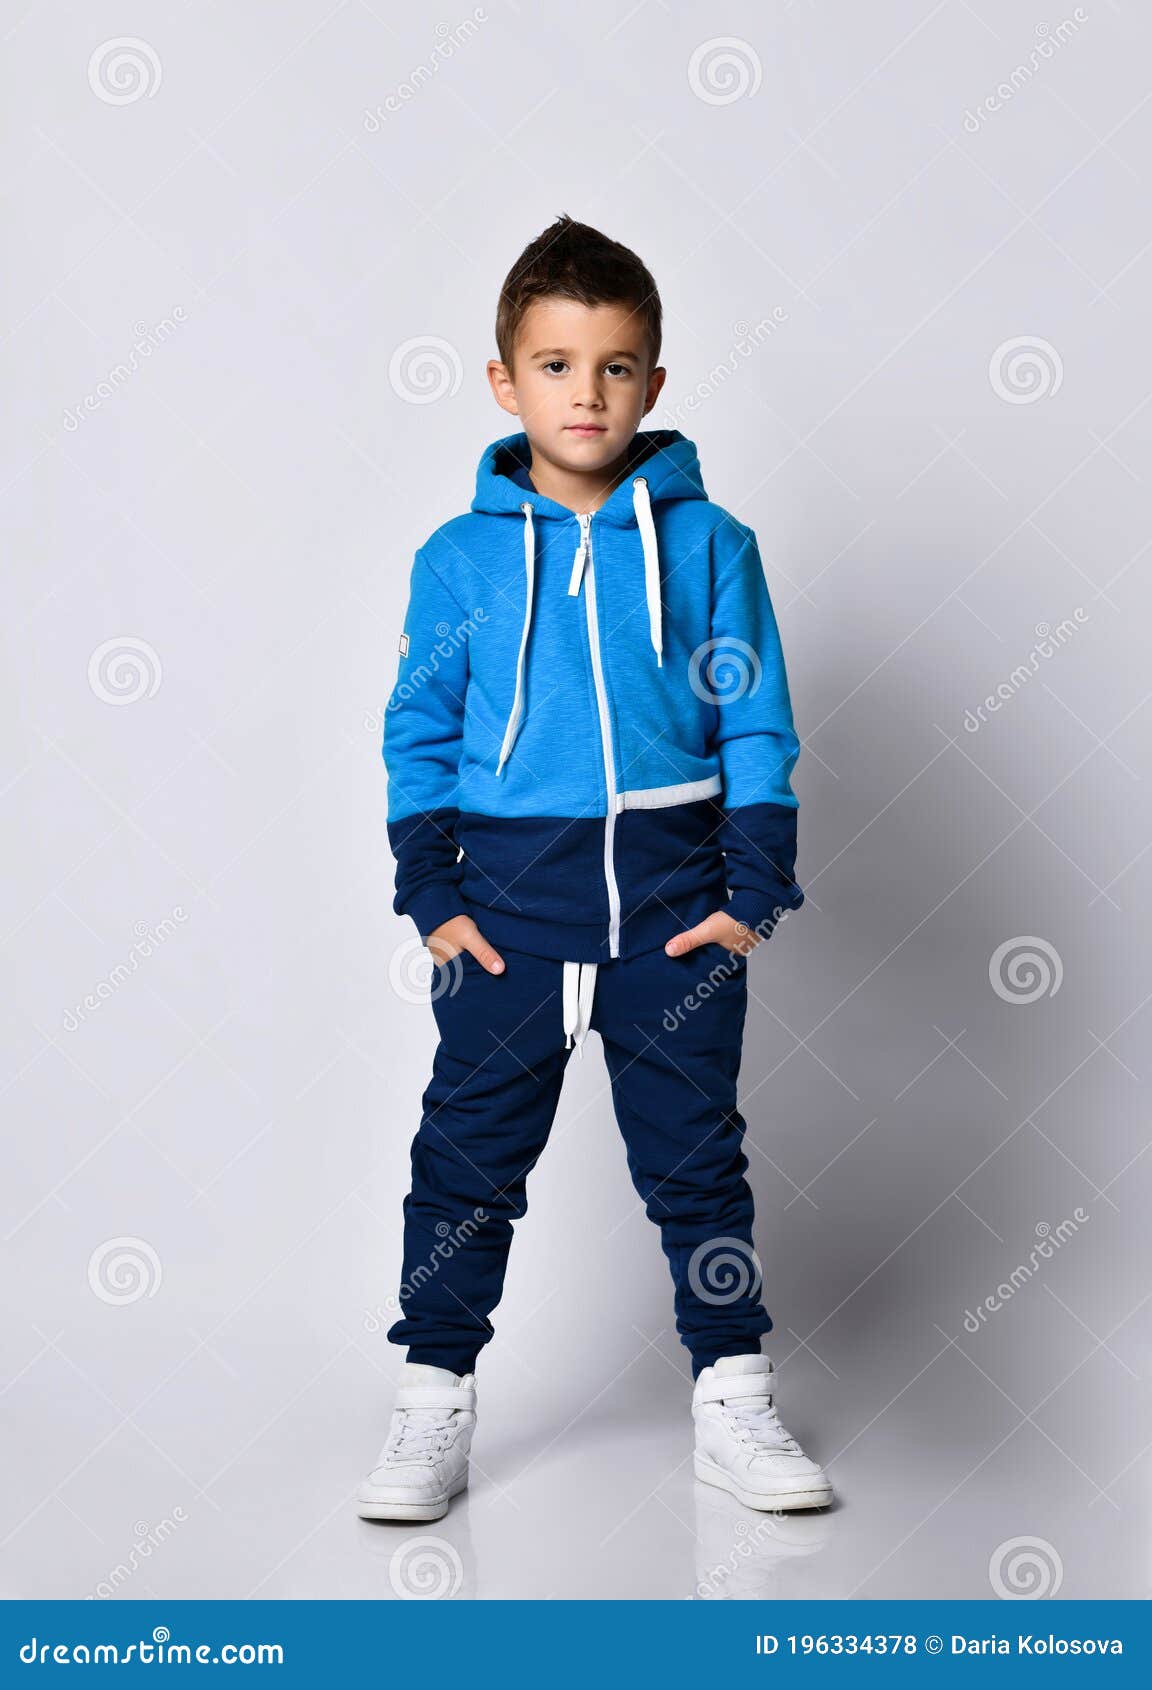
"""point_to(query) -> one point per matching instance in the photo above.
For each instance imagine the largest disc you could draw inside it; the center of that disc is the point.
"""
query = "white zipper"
(582, 566)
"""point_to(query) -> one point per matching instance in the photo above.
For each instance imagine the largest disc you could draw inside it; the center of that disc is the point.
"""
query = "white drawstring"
(513, 725)
(643, 508)
(579, 991)
(642, 505)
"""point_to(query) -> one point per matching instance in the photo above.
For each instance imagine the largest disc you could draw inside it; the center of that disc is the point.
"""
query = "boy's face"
(580, 383)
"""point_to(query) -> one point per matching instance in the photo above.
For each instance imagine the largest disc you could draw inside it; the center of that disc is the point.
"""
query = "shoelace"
(420, 1434)
(758, 1423)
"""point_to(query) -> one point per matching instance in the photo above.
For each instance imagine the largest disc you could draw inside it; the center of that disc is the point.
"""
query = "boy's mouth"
(586, 431)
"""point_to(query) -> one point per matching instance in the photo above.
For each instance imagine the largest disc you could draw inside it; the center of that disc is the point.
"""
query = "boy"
(588, 749)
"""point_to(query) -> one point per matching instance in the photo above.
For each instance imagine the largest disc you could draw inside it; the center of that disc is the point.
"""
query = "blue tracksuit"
(589, 747)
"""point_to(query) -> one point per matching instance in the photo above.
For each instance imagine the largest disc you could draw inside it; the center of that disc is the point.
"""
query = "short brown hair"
(575, 261)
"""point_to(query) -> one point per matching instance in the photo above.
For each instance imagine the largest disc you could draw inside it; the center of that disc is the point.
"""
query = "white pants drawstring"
(579, 990)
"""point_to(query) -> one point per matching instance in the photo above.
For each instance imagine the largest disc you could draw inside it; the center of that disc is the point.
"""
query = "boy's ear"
(655, 382)
(500, 381)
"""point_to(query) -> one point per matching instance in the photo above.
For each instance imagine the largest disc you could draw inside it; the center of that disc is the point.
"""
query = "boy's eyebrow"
(566, 352)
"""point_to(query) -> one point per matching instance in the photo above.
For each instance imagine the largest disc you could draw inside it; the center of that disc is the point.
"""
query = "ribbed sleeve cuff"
(763, 911)
(433, 905)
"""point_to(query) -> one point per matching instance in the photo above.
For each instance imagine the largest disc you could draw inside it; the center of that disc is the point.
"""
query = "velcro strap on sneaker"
(435, 1396)
(724, 1387)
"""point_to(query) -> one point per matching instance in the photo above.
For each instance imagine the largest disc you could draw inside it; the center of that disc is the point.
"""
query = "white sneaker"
(424, 1462)
(741, 1445)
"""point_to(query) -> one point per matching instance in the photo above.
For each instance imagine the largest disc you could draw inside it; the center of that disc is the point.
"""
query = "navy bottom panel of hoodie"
(540, 882)
(671, 1030)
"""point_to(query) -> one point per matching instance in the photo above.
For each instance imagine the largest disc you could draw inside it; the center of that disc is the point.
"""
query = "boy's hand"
(716, 929)
(462, 934)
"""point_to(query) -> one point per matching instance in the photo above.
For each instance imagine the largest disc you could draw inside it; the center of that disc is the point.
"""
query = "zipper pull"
(581, 555)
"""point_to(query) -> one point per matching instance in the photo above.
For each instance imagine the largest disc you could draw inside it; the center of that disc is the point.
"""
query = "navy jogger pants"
(671, 1029)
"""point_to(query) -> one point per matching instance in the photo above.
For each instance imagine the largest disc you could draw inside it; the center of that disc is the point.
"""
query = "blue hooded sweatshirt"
(589, 744)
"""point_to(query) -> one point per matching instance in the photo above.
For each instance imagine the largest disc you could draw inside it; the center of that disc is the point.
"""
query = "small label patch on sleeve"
(403, 645)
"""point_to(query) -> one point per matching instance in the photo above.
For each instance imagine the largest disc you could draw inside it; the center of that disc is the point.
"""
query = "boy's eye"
(555, 364)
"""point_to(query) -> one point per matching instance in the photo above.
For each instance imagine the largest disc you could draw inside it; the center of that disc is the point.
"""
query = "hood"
(662, 466)
(671, 469)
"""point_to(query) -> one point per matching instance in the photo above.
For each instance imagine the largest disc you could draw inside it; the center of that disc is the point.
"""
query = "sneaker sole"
(818, 1496)
(434, 1509)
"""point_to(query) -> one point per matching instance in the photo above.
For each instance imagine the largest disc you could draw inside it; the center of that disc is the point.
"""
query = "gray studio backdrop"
(904, 257)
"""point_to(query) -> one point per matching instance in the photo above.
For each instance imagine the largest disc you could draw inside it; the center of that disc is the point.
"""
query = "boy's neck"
(579, 490)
